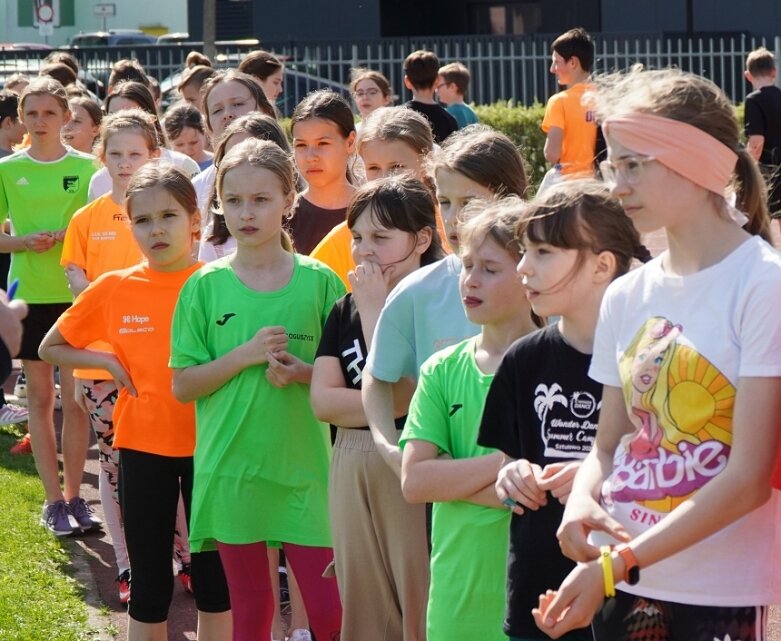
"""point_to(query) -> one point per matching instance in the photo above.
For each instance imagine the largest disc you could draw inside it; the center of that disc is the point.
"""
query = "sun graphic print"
(681, 406)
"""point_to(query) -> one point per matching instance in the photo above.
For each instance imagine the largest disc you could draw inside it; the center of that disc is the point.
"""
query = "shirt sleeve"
(604, 362)
(86, 321)
(335, 289)
(498, 428)
(3, 199)
(760, 328)
(188, 329)
(392, 352)
(754, 119)
(427, 419)
(554, 113)
(329, 341)
(74, 246)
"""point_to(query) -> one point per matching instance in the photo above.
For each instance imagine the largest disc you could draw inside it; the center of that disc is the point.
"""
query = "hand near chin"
(370, 286)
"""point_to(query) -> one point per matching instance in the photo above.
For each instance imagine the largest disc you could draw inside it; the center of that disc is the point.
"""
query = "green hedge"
(522, 126)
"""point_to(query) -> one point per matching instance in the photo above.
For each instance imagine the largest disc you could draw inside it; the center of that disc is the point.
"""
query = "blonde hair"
(261, 154)
(686, 97)
(397, 123)
(45, 86)
(135, 120)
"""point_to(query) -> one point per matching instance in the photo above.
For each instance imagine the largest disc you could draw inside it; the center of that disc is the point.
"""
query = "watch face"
(633, 575)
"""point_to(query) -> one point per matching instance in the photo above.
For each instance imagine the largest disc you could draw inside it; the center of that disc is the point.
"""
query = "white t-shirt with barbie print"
(677, 346)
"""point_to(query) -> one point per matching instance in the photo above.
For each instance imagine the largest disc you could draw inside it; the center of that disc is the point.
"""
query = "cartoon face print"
(650, 355)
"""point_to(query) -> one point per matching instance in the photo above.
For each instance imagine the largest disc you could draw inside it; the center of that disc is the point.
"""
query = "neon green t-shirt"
(261, 456)
(469, 542)
(42, 196)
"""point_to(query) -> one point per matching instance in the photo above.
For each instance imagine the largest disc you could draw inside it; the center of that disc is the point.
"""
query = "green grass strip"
(39, 601)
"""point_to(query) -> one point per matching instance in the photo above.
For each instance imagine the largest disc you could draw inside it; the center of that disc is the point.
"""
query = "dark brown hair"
(60, 72)
(127, 70)
(582, 215)
(422, 68)
(139, 94)
(90, 106)
(196, 58)
(260, 64)
(182, 115)
(399, 202)
(575, 42)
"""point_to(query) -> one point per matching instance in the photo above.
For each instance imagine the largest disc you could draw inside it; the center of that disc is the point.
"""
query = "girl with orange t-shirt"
(99, 240)
(131, 310)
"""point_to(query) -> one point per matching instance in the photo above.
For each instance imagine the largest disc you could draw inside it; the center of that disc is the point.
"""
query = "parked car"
(112, 38)
(31, 67)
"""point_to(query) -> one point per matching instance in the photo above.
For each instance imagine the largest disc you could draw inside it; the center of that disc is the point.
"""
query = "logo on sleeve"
(225, 318)
(70, 184)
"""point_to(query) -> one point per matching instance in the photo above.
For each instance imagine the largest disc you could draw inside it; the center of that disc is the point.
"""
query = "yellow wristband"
(606, 559)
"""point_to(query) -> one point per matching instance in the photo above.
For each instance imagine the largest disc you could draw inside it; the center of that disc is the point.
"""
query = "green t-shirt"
(261, 456)
(469, 542)
(42, 196)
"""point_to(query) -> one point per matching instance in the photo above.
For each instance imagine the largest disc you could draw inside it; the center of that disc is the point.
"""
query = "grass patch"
(38, 598)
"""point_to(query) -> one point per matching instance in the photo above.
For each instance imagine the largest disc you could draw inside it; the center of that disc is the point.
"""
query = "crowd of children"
(456, 409)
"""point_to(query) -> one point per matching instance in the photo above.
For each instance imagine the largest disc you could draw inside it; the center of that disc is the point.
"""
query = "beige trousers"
(380, 545)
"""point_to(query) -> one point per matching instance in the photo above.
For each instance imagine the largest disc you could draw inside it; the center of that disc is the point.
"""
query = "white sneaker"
(300, 635)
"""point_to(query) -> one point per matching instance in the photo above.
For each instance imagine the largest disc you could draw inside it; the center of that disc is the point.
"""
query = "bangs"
(558, 226)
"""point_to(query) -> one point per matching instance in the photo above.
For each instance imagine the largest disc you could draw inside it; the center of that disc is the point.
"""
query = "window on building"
(506, 18)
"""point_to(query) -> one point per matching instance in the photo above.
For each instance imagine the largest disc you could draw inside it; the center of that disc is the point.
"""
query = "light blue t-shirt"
(422, 315)
(464, 114)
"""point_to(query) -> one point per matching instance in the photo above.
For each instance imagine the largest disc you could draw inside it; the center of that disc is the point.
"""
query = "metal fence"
(503, 68)
(516, 68)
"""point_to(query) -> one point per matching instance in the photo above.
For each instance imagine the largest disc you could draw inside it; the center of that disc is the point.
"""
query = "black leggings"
(148, 496)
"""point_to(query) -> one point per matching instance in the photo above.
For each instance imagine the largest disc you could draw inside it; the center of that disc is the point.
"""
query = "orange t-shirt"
(99, 240)
(132, 310)
(335, 250)
(579, 143)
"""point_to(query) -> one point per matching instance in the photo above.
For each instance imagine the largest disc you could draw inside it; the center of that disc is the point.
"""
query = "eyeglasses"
(366, 93)
(630, 169)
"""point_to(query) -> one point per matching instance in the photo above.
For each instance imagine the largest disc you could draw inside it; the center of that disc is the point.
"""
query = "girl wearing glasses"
(687, 348)
(370, 90)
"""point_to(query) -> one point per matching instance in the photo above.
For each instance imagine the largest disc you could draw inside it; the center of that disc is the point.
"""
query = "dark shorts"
(628, 617)
(38, 322)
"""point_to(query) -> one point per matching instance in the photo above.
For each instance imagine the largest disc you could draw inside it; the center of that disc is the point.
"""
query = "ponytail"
(751, 191)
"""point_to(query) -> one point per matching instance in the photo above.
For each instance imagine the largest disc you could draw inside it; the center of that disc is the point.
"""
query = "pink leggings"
(252, 602)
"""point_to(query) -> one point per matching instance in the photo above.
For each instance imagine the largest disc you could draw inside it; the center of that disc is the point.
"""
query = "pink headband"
(684, 148)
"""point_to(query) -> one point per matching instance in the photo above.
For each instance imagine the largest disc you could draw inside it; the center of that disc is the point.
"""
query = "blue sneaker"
(57, 519)
(83, 513)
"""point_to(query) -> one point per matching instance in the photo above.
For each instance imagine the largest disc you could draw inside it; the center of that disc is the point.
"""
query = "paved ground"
(93, 555)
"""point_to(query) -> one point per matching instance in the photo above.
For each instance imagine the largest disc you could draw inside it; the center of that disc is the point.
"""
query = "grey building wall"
(757, 17)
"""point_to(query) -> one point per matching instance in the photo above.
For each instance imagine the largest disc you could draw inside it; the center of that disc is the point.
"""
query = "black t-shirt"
(343, 339)
(309, 224)
(763, 118)
(542, 407)
(442, 122)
